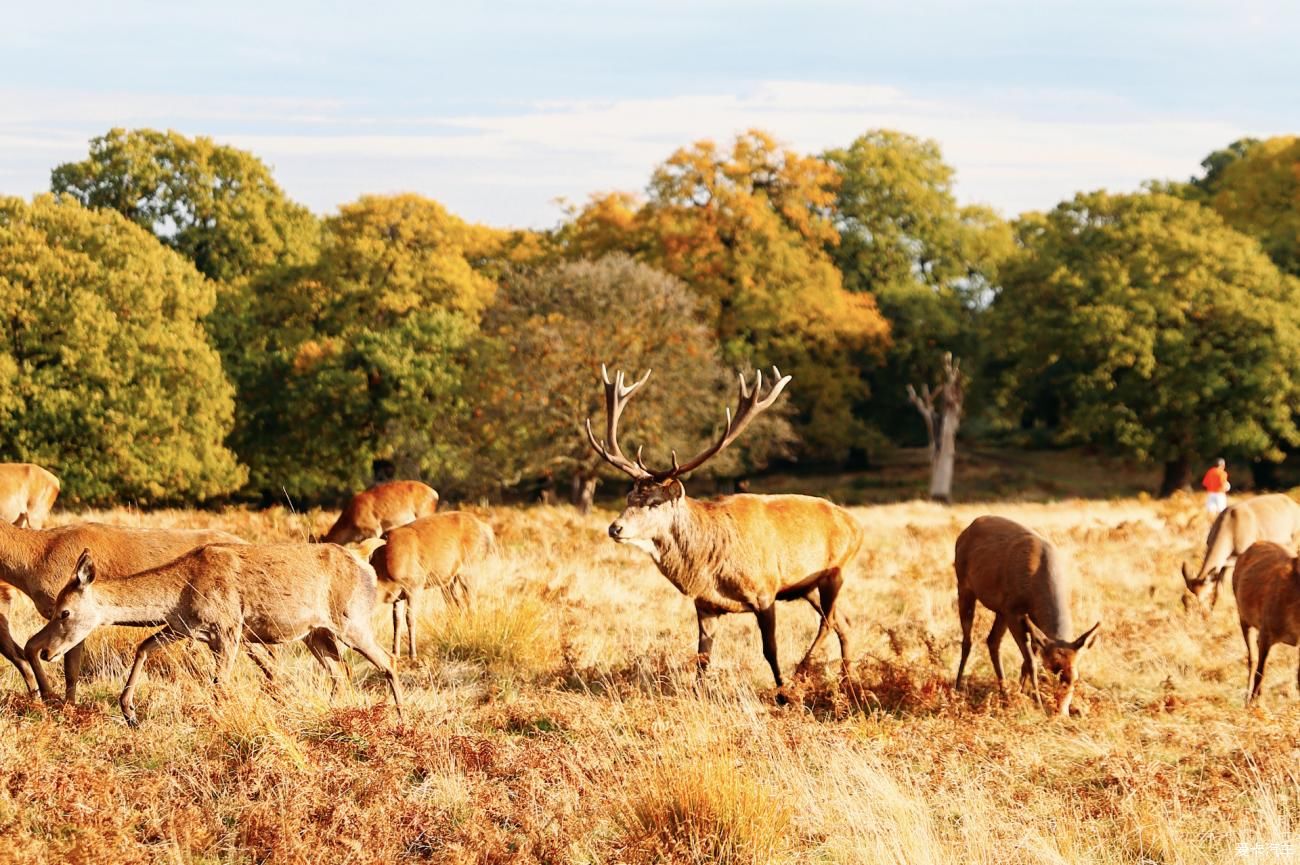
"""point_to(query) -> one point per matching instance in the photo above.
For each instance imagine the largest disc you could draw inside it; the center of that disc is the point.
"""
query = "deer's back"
(1267, 590)
(372, 512)
(1273, 517)
(1015, 571)
(26, 489)
(433, 548)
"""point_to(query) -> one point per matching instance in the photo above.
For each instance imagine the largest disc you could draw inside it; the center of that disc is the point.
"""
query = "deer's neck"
(21, 551)
(145, 598)
(690, 553)
(1050, 603)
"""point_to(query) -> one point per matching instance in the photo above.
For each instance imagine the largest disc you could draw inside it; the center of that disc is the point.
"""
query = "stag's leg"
(127, 700)
(828, 589)
(966, 613)
(13, 651)
(225, 648)
(325, 649)
(361, 640)
(994, 642)
(767, 629)
(708, 622)
(1265, 643)
(1020, 634)
(263, 664)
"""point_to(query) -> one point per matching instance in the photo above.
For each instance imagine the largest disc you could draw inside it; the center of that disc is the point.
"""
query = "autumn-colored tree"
(746, 229)
(1144, 324)
(106, 373)
(929, 263)
(549, 333)
(215, 204)
(359, 355)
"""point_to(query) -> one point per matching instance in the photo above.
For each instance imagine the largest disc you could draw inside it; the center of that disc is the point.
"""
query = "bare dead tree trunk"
(584, 492)
(941, 409)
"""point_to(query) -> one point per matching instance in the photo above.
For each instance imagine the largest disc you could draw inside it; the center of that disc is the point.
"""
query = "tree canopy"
(106, 373)
(1145, 324)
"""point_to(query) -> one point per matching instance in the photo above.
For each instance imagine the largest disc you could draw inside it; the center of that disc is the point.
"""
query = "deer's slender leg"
(72, 671)
(361, 640)
(1020, 634)
(15, 654)
(1265, 643)
(828, 589)
(410, 623)
(767, 629)
(994, 642)
(397, 632)
(326, 652)
(966, 613)
(1250, 657)
(127, 699)
(708, 623)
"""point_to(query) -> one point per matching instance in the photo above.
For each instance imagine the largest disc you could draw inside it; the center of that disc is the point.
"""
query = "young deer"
(224, 594)
(740, 553)
(1273, 517)
(37, 563)
(1266, 583)
(372, 512)
(1016, 574)
(432, 551)
(27, 493)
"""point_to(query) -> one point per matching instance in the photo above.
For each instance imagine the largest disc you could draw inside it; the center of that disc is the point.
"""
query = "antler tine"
(616, 397)
(749, 404)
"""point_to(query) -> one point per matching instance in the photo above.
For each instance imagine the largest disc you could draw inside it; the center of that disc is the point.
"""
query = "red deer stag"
(740, 553)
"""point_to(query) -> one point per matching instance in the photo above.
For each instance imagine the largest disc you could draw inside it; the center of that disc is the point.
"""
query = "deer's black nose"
(615, 530)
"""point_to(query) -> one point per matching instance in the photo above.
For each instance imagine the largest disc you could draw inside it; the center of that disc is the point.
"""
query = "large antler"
(750, 403)
(748, 407)
(616, 397)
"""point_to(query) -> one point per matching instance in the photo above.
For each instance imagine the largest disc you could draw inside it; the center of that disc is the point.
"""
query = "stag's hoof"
(782, 699)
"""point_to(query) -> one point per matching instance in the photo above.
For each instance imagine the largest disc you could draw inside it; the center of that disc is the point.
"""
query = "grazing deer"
(1017, 574)
(372, 512)
(37, 563)
(434, 551)
(27, 493)
(1266, 583)
(1273, 517)
(223, 594)
(740, 553)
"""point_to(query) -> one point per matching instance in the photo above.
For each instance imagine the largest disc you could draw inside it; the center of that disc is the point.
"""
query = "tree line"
(177, 329)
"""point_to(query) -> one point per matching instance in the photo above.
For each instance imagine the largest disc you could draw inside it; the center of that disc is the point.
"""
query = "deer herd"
(737, 554)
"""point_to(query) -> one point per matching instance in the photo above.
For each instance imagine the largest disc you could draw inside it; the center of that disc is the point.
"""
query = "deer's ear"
(1086, 639)
(1037, 638)
(675, 490)
(84, 573)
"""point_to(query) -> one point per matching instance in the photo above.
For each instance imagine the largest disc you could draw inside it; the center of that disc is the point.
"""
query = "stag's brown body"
(433, 551)
(1266, 583)
(741, 553)
(37, 563)
(223, 595)
(372, 512)
(1274, 517)
(27, 493)
(1017, 574)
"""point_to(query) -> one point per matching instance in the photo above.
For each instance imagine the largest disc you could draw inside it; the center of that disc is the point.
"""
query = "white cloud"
(1010, 150)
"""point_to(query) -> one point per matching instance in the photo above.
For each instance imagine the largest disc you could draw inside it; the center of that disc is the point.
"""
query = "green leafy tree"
(1259, 193)
(549, 333)
(1144, 324)
(215, 204)
(106, 373)
(929, 263)
(360, 355)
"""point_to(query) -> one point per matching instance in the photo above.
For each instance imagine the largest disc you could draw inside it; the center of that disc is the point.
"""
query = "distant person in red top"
(1216, 488)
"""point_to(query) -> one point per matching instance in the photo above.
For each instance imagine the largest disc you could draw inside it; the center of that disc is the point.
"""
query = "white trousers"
(1216, 502)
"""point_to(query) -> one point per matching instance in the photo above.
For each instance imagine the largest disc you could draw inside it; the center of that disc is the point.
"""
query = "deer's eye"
(65, 614)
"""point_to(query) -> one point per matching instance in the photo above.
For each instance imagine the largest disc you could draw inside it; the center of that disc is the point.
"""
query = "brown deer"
(1017, 574)
(740, 553)
(37, 563)
(1266, 583)
(372, 512)
(1273, 517)
(432, 551)
(224, 594)
(27, 493)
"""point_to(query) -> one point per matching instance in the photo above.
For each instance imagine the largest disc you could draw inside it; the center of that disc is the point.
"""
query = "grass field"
(558, 721)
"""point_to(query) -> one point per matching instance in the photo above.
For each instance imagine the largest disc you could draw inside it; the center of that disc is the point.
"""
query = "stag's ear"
(1086, 639)
(84, 573)
(1037, 638)
(674, 489)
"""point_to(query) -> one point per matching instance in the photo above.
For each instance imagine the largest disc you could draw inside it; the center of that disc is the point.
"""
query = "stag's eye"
(65, 614)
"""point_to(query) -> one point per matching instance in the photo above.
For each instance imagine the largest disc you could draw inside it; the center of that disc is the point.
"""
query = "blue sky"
(498, 110)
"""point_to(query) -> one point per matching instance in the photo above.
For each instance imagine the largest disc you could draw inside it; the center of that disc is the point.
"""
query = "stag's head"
(657, 495)
(76, 613)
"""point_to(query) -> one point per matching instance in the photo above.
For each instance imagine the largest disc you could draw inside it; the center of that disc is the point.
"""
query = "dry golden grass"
(557, 720)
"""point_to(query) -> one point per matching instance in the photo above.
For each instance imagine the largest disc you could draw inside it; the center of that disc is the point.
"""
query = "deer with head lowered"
(1274, 517)
(740, 553)
(1017, 574)
(222, 595)
(370, 513)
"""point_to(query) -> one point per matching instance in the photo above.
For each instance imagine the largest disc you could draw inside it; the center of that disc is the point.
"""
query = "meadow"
(558, 720)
